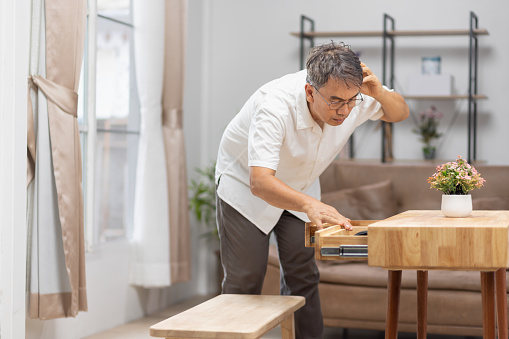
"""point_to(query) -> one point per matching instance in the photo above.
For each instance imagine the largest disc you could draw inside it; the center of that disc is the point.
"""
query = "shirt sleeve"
(371, 109)
(266, 135)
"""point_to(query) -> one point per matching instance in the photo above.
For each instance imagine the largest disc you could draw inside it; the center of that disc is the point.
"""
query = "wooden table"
(426, 240)
(233, 316)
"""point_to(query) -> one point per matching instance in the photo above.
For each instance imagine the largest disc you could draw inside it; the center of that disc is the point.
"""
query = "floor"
(139, 329)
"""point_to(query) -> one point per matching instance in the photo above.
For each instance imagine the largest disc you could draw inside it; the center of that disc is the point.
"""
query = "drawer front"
(335, 243)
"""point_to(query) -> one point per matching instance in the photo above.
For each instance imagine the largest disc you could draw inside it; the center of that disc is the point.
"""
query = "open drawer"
(335, 243)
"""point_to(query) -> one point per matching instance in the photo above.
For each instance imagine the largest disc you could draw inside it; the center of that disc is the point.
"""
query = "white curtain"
(150, 252)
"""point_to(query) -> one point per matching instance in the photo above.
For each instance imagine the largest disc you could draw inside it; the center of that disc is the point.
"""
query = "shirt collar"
(304, 118)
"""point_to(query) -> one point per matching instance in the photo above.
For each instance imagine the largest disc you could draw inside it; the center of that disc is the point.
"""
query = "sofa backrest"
(409, 182)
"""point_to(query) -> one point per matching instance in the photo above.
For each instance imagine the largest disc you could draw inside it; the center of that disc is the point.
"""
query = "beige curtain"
(174, 56)
(53, 295)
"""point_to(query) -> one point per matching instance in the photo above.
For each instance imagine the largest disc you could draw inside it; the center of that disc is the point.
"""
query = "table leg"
(488, 304)
(288, 327)
(501, 296)
(422, 304)
(393, 291)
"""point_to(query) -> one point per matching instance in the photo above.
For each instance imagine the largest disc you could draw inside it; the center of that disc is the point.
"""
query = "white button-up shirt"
(275, 129)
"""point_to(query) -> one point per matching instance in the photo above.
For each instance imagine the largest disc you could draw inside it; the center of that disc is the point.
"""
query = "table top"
(230, 316)
(427, 240)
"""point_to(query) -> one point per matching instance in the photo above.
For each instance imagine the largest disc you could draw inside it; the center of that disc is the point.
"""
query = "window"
(109, 122)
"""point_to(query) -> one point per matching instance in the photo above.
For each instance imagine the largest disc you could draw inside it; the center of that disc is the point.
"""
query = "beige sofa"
(354, 295)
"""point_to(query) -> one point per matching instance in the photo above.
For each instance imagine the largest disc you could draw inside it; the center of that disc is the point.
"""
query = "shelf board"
(339, 34)
(412, 33)
(444, 97)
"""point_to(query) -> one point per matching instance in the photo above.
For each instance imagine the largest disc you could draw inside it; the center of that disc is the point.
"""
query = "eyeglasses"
(335, 105)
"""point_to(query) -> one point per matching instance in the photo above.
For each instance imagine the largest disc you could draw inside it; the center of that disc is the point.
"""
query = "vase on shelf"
(429, 152)
(456, 205)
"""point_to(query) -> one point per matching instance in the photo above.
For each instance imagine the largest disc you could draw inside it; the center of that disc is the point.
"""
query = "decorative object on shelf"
(455, 179)
(431, 65)
(429, 85)
(427, 128)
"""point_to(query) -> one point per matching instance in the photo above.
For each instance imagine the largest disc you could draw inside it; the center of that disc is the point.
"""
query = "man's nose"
(344, 110)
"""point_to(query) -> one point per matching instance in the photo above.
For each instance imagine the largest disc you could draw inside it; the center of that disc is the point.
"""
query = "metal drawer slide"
(346, 251)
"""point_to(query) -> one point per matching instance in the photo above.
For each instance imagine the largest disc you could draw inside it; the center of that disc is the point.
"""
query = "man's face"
(332, 92)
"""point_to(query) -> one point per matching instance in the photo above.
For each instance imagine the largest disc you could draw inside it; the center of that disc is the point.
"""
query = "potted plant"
(456, 179)
(202, 200)
(427, 128)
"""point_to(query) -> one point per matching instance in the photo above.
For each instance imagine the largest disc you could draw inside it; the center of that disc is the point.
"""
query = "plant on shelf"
(202, 201)
(427, 128)
(456, 177)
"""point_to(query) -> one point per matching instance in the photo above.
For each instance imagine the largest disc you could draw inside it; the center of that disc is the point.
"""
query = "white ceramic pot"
(456, 206)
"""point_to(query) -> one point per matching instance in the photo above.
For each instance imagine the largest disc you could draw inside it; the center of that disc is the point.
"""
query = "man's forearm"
(278, 194)
(394, 106)
(266, 186)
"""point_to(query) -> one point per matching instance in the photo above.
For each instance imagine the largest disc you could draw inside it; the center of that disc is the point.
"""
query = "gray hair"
(336, 61)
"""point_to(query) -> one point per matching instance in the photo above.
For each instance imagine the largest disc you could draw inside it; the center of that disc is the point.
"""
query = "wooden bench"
(233, 316)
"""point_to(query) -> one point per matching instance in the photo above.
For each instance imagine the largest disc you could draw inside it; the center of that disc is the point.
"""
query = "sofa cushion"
(409, 181)
(368, 202)
(490, 203)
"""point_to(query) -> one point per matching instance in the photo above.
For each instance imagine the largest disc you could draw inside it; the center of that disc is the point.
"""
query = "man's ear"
(309, 92)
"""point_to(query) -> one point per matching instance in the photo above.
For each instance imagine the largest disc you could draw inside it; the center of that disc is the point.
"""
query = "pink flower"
(457, 177)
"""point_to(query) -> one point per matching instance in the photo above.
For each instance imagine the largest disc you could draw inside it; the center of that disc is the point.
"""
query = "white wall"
(248, 43)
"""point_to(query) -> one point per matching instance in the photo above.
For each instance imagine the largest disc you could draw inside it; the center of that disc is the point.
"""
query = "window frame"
(89, 130)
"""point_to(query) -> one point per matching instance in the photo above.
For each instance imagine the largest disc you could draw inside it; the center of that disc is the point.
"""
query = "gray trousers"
(244, 254)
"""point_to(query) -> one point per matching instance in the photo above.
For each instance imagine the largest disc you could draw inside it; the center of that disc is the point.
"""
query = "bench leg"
(288, 327)
(501, 296)
(488, 304)
(422, 304)
(393, 289)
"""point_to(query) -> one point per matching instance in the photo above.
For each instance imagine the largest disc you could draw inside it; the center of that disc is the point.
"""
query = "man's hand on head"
(393, 104)
(371, 85)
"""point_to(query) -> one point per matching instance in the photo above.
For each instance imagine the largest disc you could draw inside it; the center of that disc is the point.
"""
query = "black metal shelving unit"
(388, 35)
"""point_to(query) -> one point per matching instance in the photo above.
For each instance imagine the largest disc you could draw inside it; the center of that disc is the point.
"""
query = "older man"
(269, 161)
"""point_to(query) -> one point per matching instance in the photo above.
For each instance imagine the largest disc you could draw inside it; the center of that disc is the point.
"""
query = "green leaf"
(202, 201)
